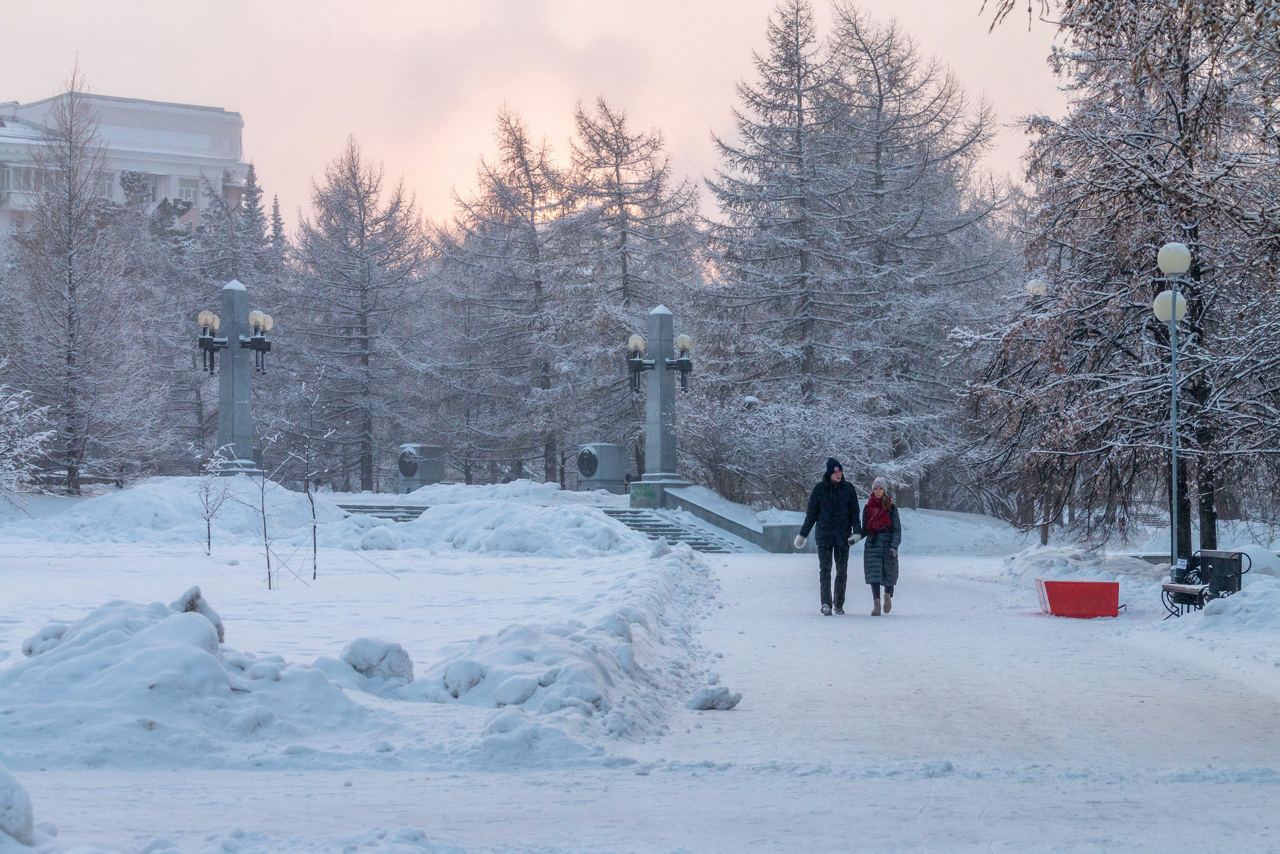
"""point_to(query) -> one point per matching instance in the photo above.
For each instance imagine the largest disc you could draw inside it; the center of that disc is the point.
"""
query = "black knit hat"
(832, 465)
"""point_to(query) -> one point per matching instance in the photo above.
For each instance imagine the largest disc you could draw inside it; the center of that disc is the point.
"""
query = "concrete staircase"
(391, 512)
(662, 524)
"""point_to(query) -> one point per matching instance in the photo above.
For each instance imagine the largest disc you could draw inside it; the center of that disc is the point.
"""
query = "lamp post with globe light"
(1169, 306)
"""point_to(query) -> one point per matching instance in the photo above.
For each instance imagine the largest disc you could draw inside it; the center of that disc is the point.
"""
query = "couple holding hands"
(833, 509)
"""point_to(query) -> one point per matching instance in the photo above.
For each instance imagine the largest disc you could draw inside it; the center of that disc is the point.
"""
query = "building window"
(105, 185)
(24, 179)
(189, 190)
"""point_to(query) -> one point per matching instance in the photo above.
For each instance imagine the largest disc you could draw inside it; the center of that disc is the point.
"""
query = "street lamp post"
(660, 404)
(246, 354)
(1174, 260)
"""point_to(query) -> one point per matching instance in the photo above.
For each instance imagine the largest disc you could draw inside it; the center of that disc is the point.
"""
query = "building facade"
(177, 146)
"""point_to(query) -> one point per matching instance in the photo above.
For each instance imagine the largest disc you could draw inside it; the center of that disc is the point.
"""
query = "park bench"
(1210, 574)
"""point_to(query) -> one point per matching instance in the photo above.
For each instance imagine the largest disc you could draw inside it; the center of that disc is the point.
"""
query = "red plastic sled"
(1080, 599)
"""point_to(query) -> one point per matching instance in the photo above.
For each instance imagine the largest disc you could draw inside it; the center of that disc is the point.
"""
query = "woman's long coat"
(878, 566)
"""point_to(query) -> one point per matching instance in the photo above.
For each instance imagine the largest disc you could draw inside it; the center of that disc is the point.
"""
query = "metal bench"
(1210, 574)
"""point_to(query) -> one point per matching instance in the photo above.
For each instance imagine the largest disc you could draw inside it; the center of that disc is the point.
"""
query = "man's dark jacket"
(834, 508)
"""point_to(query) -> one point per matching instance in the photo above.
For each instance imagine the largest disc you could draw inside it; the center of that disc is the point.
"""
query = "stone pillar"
(659, 415)
(235, 369)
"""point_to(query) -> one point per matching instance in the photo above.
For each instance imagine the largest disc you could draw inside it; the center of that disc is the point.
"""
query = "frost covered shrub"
(192, 601)
(377, 659)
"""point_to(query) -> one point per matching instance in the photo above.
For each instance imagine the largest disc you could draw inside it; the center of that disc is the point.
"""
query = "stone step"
(658, 525)
(390, 512)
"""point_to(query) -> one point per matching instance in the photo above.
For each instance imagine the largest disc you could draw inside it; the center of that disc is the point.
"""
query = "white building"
(176, 145)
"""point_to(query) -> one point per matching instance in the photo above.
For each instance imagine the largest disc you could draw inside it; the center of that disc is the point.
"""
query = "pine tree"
(67, 304)
(252, 220)
(359, 272)
(635, 244)
(855, 235)
(503, 272)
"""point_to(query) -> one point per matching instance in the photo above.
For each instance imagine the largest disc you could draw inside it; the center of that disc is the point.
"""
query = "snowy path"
(962, 721)
(953, 676)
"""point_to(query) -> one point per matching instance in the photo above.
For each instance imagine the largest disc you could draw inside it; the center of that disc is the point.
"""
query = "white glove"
(799, 542)
(854, 538)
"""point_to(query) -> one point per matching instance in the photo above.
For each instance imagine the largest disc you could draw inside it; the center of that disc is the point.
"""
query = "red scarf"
(877, 515)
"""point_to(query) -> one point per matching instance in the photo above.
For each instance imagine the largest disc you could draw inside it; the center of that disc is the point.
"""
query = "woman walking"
(883, 532)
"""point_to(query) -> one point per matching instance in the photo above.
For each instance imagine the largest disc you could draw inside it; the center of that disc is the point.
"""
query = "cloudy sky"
(418, 82)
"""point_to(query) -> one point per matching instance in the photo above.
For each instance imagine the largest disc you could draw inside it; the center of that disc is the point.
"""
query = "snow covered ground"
(517, 673)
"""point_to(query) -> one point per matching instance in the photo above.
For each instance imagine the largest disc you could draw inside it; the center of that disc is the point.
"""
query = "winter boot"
(888, 601)
(875, 611)
(840, 610)
(826, 610)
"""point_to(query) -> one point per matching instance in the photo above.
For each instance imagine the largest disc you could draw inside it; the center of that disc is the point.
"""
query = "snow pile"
(493, 527)
(560, 685)
(1229, 531)
(1067, 563)
(1262, 561)
(167, 510)
(1255, 608)
(131, 683)
(380, 660)
(17, 819)
(713, 697)
(519, 491)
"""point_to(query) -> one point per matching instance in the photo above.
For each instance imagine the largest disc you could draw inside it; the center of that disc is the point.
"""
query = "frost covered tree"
(252, 218)
(67, 302)
(359, 273)
(1166, 139)
(24, 439)
(855, 233)
(509, 374)
(633, 243)
(781, 257)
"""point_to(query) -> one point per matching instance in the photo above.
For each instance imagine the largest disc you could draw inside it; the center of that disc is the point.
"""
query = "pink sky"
(418, 82)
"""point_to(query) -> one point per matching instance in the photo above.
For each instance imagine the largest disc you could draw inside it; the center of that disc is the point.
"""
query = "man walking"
(833, 507)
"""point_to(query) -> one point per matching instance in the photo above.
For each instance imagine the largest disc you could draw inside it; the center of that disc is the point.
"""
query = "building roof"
(116, 99)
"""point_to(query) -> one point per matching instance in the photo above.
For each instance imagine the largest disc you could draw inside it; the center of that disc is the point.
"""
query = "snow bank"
(521, 491)
(493, 527)
(131, 684)
(1255, 608)
(167, 510)
(1230, 531)
(17, 819)
(560, 687)
(1262, 561)
(1066, 563)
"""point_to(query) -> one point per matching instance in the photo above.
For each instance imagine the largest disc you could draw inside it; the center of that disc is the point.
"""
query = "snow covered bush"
(377, 659)
(17, 819)
(23, 438)
(192, 601)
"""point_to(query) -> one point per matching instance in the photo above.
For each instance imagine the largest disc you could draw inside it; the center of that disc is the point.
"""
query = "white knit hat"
(880, 483)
